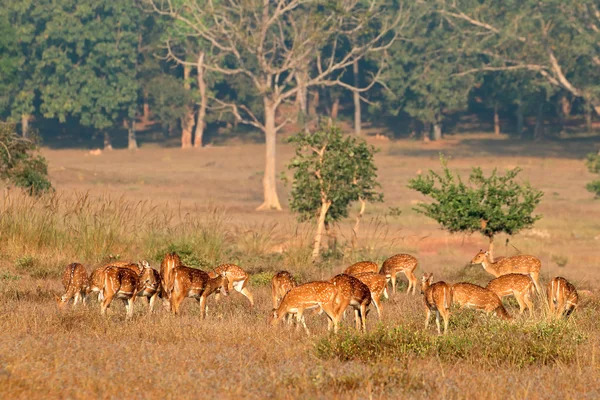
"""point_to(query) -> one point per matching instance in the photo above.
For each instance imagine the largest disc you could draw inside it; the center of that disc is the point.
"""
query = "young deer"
(75, 282)
(186, 282)
(401, 263)
(238, 279)
(352, 292)
(437, 297)
(527, 265)
(167, 266)
(562, 297)
(281, 283)
(149, 284)
(218, 284)
(518, 285)
(308, 296)
(377, 285)
(473, 296)
(362, 267)
(120, 283)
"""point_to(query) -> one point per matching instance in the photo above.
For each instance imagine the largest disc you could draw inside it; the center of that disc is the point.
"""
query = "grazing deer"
(149, 284)
(518, 285)
(281, 283)
(167, 266)
(377, 285)
(401, 263)
(238, 279)
(308, 296)
(562, 297)
(120, 283)
(361, 267)
(218, 284)
(437, 297)
(352, 292)
(187, 282)
(473, 296)
(75, 282)
(526, 265)
(97, 277)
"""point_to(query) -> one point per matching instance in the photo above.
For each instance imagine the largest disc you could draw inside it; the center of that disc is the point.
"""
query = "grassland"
(201, 204)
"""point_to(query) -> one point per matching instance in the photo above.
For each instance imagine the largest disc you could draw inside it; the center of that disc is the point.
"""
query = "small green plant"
(593, 164)
(488, 205)
(18, 164)
(261, 279)
(25, 264)
(9, 277)
(561, 261)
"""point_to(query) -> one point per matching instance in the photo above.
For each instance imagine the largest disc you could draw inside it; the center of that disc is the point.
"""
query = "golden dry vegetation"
(201, 204)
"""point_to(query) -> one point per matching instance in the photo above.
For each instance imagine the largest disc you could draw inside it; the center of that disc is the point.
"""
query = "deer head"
(426, 281)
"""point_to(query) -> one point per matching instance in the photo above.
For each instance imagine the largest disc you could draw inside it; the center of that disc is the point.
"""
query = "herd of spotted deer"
(358, 286)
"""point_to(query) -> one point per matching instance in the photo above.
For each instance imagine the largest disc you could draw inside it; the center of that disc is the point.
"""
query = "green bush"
(593, 164)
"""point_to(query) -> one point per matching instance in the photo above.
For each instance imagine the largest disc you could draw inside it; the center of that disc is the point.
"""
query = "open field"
(201, 204)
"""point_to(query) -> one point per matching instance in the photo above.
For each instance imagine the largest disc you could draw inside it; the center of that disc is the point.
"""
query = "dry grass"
(201, 204)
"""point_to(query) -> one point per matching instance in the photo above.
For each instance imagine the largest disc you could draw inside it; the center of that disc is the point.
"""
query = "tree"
(593, 164)
(272, 42)
(330, 173)
(18, 165)
(488, 205)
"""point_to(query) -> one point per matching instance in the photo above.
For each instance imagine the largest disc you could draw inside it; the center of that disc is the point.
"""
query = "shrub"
(593, 164)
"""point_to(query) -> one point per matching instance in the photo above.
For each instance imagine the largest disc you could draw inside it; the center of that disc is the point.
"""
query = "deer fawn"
(238, 279)
(473, 296)
(308, 296)
(437, 297)
(401, 263)
(518, 285)
(75, 282)
(168, 264)
(281, 283)
(362, 267)
(562, 297)
(527, 265)
(352, 292)
(121, 283)
(149, 284)
(377, 285)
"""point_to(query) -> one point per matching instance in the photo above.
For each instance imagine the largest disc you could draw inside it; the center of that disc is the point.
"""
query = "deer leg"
(521, 301)
(377, 305)
(393, 278)
(106, 300)
(203, 306)
(385, 292)
(446, 315)
(535, 276)
(130, 306)
(363, 315)
(330, 311)
(248, 295)
(151, 303)
(427, 317)
(528, 303)
(437, 321)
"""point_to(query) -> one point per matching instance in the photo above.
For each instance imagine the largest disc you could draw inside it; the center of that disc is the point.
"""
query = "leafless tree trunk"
(131, 139)
(24, 124)
(320, 226)
(437, 131)
(146, 106)
(335, 108)
(302, 98)
(200, 122)
(363, 205)
(496, 119)
(271, 200)
(107, 144)
(313, 104)
(356, 95)
(187, 122)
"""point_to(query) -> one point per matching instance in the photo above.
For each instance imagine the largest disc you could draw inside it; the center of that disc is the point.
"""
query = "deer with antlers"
(521, 264)
(308, 296)
(281, 283)
(120, 283)
(75, 282)
(362, 267)
(437, 297)
(377, 285)
(562, 297)
(237, 277)
(518, 285)
(404, 263)
(352, 292)
(473, 296)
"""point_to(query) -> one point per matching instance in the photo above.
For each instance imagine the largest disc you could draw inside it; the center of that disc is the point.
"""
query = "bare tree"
(283, 47)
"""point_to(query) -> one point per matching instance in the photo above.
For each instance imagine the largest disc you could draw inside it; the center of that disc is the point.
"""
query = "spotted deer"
(437, 297)
(352, 292)
(149, 286)
(562, 297)
(96, 281)
(281, 283)
(479, 298)
(238, 280)
(75, 282)
(521, 264)
(518, 285)
(167, 266)
(218, 284)
(120, 283)
(377, 285)
(186, 282)
(319, 294)
(362, 267)
(401, 263)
